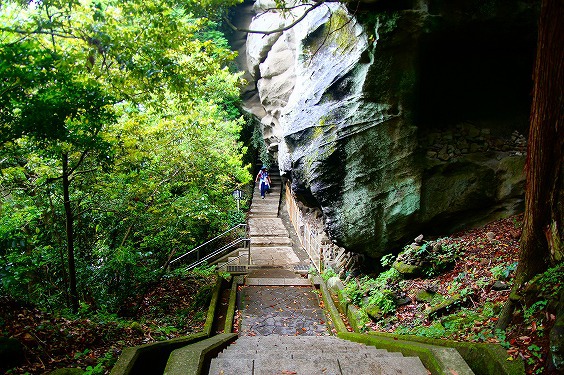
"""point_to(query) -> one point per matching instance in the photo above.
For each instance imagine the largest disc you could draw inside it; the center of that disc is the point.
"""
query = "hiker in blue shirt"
(264, 179)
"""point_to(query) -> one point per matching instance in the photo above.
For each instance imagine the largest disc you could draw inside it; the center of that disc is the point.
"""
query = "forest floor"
(93, 341)
(176, 307)
(487, 256)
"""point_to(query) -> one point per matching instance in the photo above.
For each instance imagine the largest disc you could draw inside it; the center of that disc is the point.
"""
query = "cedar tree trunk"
(542, 238)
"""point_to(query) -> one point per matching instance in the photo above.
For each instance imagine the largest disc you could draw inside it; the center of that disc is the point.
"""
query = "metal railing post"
(249, 256)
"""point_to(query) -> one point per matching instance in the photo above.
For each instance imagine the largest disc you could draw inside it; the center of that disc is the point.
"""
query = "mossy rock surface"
(446, 307)
(374, 312)
(425, 296)
(483, 358)
(407, 270)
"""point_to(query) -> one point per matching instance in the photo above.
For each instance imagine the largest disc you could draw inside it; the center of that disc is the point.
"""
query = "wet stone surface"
(278, 310)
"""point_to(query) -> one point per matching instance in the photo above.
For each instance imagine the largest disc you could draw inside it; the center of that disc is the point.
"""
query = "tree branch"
(281, 29)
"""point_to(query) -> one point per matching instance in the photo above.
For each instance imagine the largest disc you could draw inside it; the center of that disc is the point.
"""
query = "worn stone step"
(318, 365)
(384, 366)
(272, 366)
(299, 342)
(307, 353)
(265, 204)
(254, 215)
(273, 256)
(231, 367)
(264, 241)
(287, 281)
(322, 344)
(237, 252)
(256, 210)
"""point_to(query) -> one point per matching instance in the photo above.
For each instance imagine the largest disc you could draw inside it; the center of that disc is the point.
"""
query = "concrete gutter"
(194, 359)
(152, 358)
(338, 323)
(438, 360)
(231, 307)
(483, 358)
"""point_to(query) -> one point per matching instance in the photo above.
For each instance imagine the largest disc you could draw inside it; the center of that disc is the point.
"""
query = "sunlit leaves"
(139, 96)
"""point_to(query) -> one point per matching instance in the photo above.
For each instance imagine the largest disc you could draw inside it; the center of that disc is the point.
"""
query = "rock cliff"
(395, 117)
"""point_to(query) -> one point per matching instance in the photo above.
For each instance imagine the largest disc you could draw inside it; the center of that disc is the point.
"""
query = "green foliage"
(379, 292)
(388, 260)
(259, 144)
(204, 270)
(138, 98)
(550, 282)
(328, 273)
(502, 271)
(534, 308)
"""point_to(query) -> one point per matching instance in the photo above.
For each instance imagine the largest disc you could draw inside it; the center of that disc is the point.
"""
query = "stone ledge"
(483, 358)
(438, 360)
(193, 359)
(143, 359)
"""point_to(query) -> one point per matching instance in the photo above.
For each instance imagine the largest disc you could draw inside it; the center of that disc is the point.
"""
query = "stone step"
(273, 256)
(263, 241)
(318, 365)
(267, 232)
(276, 281)
(265, 204)
(258, 215)
(296, 341)
(231, 367)
(269, 199)
(306, 353)
(242, 259)
(271, 366)
(384, 366)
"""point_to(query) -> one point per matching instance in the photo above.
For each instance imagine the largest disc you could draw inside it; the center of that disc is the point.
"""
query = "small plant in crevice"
(328, 273)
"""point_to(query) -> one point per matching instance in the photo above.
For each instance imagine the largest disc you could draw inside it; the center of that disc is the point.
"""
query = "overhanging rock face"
(339, 107)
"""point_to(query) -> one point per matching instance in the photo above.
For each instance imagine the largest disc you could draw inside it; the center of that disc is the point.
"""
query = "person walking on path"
(264, 179)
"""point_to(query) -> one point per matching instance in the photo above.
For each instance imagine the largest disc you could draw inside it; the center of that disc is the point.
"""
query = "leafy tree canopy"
(119, 124)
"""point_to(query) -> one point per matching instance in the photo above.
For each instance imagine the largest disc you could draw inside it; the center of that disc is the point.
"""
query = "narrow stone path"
(275, 300)
(281, 310)
(271, 245)
(280, 315)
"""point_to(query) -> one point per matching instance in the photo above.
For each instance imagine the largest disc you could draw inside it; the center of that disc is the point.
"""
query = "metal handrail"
(237, 258)
(217, 252)
(197, 248)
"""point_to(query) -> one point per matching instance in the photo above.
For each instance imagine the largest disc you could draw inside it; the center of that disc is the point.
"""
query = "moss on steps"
(484, 359)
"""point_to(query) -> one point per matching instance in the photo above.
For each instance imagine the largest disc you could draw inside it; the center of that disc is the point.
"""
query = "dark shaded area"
(476, 73)
(381, 5)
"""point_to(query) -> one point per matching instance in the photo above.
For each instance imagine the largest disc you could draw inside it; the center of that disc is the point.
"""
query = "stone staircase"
(307, 355)
(270, 240)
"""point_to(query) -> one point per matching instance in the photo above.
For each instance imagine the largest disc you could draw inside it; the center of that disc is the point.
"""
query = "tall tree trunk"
(70, 235)
(542, 236)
